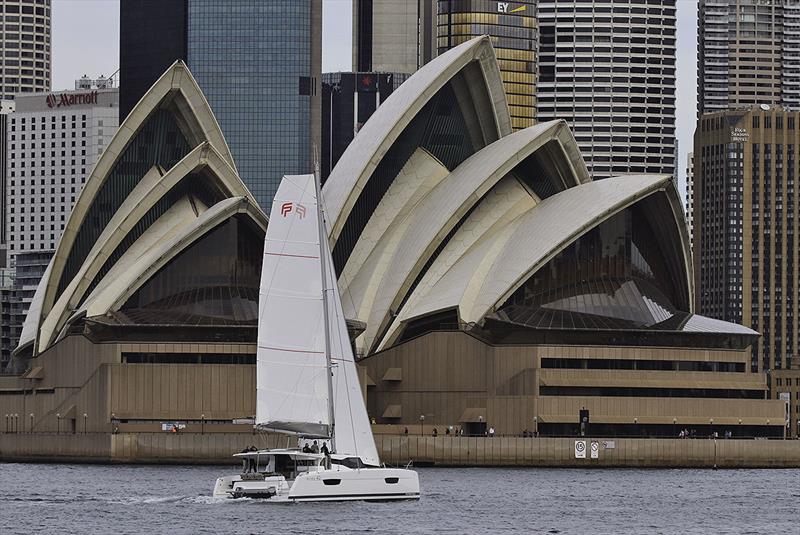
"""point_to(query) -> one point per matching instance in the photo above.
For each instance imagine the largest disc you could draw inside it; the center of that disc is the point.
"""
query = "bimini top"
(165, 182)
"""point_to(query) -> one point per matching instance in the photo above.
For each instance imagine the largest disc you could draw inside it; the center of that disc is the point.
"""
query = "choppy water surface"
(80, 499)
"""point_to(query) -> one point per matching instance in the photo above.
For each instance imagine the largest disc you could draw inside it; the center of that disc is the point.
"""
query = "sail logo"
(286, 209)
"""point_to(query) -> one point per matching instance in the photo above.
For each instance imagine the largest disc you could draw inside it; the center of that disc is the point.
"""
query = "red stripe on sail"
(292, 255)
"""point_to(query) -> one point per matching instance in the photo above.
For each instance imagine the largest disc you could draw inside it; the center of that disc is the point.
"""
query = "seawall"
(217, 448)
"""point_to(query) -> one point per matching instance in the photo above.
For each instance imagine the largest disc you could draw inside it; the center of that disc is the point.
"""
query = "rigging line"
(347, 283)
(338, 313)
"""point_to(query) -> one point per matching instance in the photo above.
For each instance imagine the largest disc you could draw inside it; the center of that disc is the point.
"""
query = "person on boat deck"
(324, 449)
(245, 462)
(315, 447)
(306, 449)
(253, 467)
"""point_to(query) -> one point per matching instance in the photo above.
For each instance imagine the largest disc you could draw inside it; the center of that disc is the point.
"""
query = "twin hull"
(335, 484)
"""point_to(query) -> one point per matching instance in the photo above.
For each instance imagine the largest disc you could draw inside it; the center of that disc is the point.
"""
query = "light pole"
(422, 425)
(711, 421)
(739, 432)
(31, 426)
(536, 426)
(202, 424)
(636, 427)
(58, 419)
(674, 426)
(84, 422)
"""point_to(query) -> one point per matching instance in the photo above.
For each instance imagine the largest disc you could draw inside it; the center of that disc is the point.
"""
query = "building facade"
(25, 68)
(514, 34)
(608, 69)
(152, 35)
(746, 231)
(348, 100)
(748, 54)
(689, 206)
(53, 141)
(787, 388)
(26, 65)
(259, 64)
(391, 36)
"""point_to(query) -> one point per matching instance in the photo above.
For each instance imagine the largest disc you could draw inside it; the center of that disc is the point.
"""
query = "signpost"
(595, 450)
(580, 449)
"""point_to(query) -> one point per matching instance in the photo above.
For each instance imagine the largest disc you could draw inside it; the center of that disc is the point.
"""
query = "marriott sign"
(63, 100)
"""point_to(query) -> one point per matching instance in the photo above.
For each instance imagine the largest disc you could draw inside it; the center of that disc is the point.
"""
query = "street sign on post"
(594, 451)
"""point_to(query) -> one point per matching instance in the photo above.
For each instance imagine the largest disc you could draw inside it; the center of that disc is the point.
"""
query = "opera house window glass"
(215, 281)
(613, 277)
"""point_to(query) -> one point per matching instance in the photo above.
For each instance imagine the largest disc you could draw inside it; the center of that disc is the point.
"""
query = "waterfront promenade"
(217, 448)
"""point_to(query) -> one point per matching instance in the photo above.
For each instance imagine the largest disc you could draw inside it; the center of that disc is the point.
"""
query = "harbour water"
(172, 499)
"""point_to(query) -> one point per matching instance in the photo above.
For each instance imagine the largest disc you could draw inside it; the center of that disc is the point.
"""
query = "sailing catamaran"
(306, 383)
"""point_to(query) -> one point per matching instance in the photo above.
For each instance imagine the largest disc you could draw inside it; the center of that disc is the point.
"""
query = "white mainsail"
(292, 381)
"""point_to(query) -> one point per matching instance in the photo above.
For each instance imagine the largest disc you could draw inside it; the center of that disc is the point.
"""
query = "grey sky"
(86, 41)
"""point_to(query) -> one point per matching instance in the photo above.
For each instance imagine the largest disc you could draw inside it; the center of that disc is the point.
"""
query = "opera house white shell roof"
(437, 207)
(435, 210)
(165, 181)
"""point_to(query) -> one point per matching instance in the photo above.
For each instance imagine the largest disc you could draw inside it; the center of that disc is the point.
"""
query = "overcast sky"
(86, 41)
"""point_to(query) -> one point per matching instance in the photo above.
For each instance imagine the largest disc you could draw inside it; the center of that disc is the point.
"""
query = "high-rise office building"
(258, 63)
(746, 226)
(392, 36)
(512, 28)
(25, 67)
(608, 69)
(25, 45)
(690, 197)
(348, 100)
(748, 54)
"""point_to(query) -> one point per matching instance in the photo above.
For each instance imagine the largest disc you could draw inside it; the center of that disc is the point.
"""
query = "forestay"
(292, 389)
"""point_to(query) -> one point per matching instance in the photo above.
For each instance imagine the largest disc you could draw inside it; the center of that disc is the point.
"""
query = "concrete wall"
(662, 453)
(218, 448)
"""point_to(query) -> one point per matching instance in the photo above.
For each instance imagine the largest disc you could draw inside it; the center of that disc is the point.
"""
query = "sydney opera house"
(489, 281)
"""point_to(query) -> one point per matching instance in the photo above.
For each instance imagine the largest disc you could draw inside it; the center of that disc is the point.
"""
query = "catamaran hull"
(334, 485)
(236, 487)
(366, 484)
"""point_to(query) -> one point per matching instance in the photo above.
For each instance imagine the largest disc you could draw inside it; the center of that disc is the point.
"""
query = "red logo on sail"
(286, 209)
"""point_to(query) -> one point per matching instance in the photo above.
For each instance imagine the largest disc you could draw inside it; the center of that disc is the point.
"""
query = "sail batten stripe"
(293, 350)
(292, 255)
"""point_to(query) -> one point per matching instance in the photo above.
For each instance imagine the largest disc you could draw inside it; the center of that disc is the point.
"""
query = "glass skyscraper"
(259, 65)
(512, 28)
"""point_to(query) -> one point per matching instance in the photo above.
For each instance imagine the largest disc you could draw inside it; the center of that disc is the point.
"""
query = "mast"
(323, 235)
